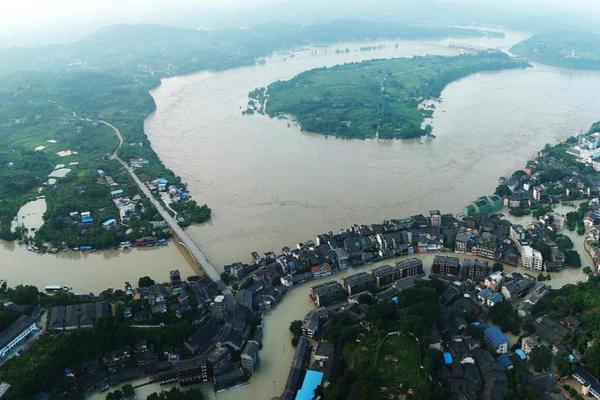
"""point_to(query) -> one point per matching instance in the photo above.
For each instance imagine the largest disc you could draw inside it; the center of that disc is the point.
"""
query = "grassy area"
(377, 98)
(569, 49)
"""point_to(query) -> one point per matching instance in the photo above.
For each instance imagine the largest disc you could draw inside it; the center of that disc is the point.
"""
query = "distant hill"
(568, 49)
(165, 51)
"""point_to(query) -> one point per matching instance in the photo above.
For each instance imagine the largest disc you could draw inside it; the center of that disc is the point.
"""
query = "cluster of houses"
(76, 316)
(175, 193)
(223, 349)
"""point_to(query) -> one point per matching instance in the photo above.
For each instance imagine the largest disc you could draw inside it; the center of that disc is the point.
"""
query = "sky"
(32, 22)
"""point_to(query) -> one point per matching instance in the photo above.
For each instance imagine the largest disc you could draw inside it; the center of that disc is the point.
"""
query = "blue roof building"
(312, 380)
(447, 358)
(521, 354)
(496, 339)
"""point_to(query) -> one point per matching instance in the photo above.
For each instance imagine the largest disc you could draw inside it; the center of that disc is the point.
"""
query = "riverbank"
(486, 126)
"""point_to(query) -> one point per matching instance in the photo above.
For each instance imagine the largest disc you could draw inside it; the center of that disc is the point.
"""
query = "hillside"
(567, 49)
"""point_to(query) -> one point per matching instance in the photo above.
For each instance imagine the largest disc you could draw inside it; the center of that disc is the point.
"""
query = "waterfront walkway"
(193, 249)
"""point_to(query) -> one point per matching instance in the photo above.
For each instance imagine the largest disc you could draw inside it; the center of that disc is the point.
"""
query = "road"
(195, 251)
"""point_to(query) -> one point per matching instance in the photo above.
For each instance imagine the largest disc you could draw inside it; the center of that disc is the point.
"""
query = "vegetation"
(42, 367)
(581, 301)
(392, 356)
(296, 330)
(570, 49)
(377, 98)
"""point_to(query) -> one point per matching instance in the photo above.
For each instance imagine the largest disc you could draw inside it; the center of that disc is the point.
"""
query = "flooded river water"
(270, 185)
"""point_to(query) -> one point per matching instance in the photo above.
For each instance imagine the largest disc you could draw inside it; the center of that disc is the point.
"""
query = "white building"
(531, 258)
(15, 334)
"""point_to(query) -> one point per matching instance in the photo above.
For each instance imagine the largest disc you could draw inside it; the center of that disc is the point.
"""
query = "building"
(474, 269)
(16, 333)
(461, 242)
(321, 271)
(496, 339)
(446, 265)
(357, 283)
(589, 383)
(410, 267)
(531, 258)
(484, 205)
(312, 380)
(494, 281)
(529, 343)
(515, 289)
(249, 357)
(490, 298)
(327, 293)
(385, 275)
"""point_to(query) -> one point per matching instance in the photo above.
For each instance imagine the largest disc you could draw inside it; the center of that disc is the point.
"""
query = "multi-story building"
(363, 281)
(476, 270)
(531, 258)
(445, 265)
(409, 267)
(249, 357)
(327, 293)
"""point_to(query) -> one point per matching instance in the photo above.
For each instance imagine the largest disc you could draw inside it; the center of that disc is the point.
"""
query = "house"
(496, 339)
(461, 242)
(109, 224)
(86, 217)
(515, 289)
(529, 343)
(115, 194)
(494, 281)
(490, 298)
(321, 271)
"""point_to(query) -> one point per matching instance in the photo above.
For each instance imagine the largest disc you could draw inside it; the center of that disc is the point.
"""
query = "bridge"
(193, 249)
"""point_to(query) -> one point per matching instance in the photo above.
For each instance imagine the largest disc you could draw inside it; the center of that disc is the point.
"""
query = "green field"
(568, 49)
(371, 99)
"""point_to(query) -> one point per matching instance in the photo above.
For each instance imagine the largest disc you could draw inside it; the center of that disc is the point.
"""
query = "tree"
(587, 270)
(540, 358)
(296, 327)
(503, 190)
(128, 390)
(145, 281)
(296, 330)
(562, 363)
(498, 267)
(572, 258)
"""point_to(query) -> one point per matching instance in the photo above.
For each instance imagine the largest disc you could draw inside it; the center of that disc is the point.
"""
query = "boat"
(57, 288)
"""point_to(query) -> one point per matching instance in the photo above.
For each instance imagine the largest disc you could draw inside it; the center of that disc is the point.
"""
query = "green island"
(54, 99)
(567, 49)
(372, 99)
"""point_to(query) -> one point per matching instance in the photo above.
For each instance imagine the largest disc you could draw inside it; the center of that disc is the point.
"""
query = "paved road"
(194, 250)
